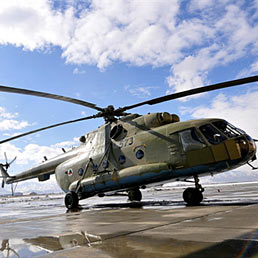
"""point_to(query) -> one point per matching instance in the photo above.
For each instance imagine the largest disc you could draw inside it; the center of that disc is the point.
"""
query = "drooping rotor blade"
(48, 127)
(191, 92)
(49, 95)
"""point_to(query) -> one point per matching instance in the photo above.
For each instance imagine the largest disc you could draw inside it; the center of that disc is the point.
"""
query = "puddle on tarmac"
(19, 248)
(127, 246)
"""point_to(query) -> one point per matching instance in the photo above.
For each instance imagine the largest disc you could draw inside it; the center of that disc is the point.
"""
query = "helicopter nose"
(251, 147)
(247, 147)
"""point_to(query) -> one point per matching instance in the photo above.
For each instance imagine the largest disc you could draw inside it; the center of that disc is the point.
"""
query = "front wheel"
(71, 200)
(134, 195)
(192, 196)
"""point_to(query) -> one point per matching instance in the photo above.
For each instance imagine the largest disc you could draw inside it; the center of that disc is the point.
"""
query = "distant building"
(33, 193)
(18, 194)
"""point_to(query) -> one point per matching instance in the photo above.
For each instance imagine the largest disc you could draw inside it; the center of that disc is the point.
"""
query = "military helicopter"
(131, 151)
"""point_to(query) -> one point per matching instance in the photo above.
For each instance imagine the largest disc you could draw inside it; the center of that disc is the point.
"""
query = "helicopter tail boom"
(41, 171)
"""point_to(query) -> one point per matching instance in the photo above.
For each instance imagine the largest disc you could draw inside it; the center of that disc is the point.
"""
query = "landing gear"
(193, 196)
(134, 195)
(71, 200)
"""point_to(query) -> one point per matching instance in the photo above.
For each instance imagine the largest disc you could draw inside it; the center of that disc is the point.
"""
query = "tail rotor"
(4, 168)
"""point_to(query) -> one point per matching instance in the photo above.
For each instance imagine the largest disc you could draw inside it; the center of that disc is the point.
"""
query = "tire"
(134, 195)
(71, 200)
(192, 196)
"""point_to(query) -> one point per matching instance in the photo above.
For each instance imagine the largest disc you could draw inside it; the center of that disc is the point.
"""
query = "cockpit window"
(191, 140)
(228, 129)
(213, 135)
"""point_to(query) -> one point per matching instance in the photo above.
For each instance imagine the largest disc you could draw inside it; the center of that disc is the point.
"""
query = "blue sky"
(121, 52)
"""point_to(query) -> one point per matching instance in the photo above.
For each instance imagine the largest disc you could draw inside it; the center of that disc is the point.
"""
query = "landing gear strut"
(71, 200)
(193, 196)
(134, 195)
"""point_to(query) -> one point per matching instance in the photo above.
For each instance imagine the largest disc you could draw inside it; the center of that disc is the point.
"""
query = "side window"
(212, 134)
(191, 140)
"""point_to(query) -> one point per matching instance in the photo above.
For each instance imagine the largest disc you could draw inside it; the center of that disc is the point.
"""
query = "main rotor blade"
(186, 93)
(49, 95)
(48, 127)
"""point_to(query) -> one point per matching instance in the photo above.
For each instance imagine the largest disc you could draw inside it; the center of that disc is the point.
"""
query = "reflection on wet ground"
(6, 248)
(225, 225)
(131, 246)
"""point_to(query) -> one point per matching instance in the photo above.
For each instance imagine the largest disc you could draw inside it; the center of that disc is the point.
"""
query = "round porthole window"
(139, 154)
(80, 171)
(121, 159)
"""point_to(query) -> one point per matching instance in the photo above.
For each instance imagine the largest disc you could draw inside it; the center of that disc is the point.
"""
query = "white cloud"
(234, 35)
(200, 4)
(193, 38)
(66, 144)
(251, 70)
(5, 114)
(121, 30)
(34, 153)
(77, 71)
(254, 67)
(140, 91)
(8, 123)
(10, 149)
(12, 124)
(39, 187)
(33, 24)
(103, 33)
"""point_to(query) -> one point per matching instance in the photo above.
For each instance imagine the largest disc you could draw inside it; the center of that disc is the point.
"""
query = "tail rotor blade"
(6, 161)
(12, 161)
(7, 164)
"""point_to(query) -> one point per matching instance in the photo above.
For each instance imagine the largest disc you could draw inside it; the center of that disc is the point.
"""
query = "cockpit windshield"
(213, 135)
(228, 129)
(218, 131)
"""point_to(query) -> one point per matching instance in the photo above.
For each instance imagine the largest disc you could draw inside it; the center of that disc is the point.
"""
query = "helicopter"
(131, 151)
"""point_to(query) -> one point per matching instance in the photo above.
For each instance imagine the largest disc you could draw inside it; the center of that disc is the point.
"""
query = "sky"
(121, 52)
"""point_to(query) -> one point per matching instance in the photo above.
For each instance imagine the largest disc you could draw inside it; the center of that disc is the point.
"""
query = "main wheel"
(71, 200)
(192, 196)
(135, 195)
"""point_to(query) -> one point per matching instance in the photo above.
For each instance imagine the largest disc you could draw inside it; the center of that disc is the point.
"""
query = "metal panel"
(220, 152)
(199, 157)
(233, 149)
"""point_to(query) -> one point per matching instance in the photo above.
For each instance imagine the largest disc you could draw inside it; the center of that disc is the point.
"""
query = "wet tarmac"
(224, 225)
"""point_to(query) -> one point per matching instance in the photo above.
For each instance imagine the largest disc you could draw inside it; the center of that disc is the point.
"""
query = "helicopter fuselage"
(140, 150)
(145, 151)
